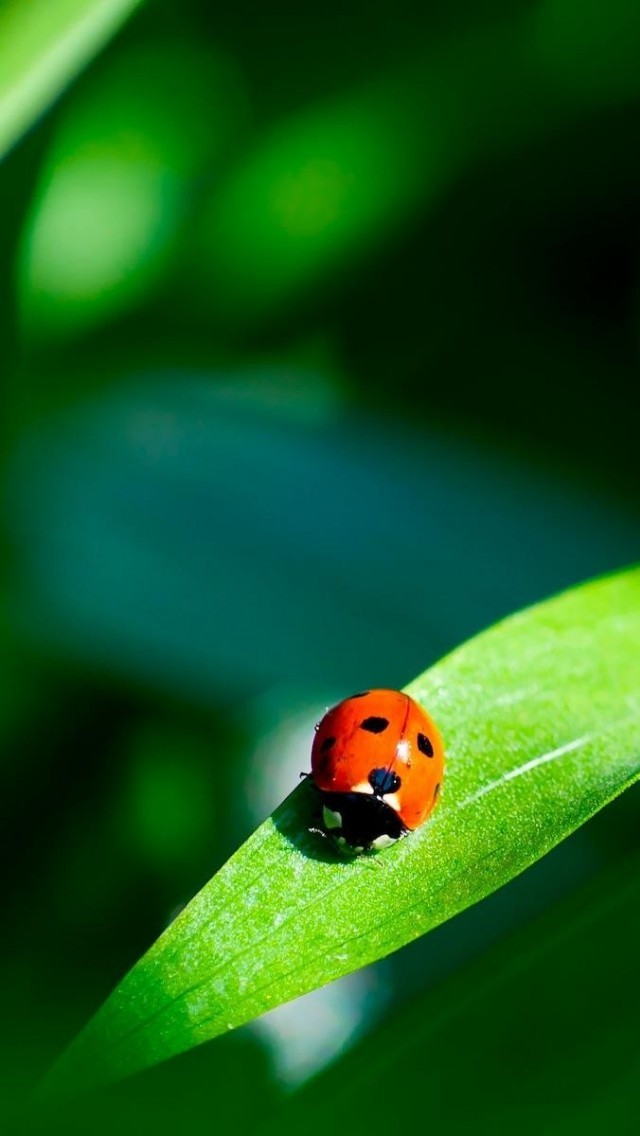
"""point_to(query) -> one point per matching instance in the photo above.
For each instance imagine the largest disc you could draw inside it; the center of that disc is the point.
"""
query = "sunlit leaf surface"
(526, 1009)
(541, 720)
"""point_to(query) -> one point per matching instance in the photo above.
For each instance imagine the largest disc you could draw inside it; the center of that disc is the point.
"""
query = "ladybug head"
(361, 821)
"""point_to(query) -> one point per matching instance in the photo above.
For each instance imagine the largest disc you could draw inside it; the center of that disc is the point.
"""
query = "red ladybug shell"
(384, 744)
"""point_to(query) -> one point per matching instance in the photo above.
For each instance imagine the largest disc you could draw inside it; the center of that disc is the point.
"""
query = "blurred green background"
(319, 344)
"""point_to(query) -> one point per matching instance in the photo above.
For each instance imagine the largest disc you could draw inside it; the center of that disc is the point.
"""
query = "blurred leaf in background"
(120, 181)
(319, 352)
(44, 45)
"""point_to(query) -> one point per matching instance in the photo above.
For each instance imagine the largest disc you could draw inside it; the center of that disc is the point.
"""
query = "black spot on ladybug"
(323, 762)
(424, 745)
(374, 725)
(436, 791)
(327, 743)
(384, 781)
(360, 694)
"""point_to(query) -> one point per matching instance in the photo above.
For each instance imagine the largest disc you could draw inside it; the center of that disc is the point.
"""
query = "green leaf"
(487, 1027)
(541, 721)
(43, 46)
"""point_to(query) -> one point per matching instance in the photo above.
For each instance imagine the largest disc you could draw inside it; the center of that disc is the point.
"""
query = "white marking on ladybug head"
(330, 818)
(363, 787)
(382, 841)
(392, 800)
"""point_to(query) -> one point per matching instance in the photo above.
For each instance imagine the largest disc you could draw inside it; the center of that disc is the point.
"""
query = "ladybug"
(377, 763)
